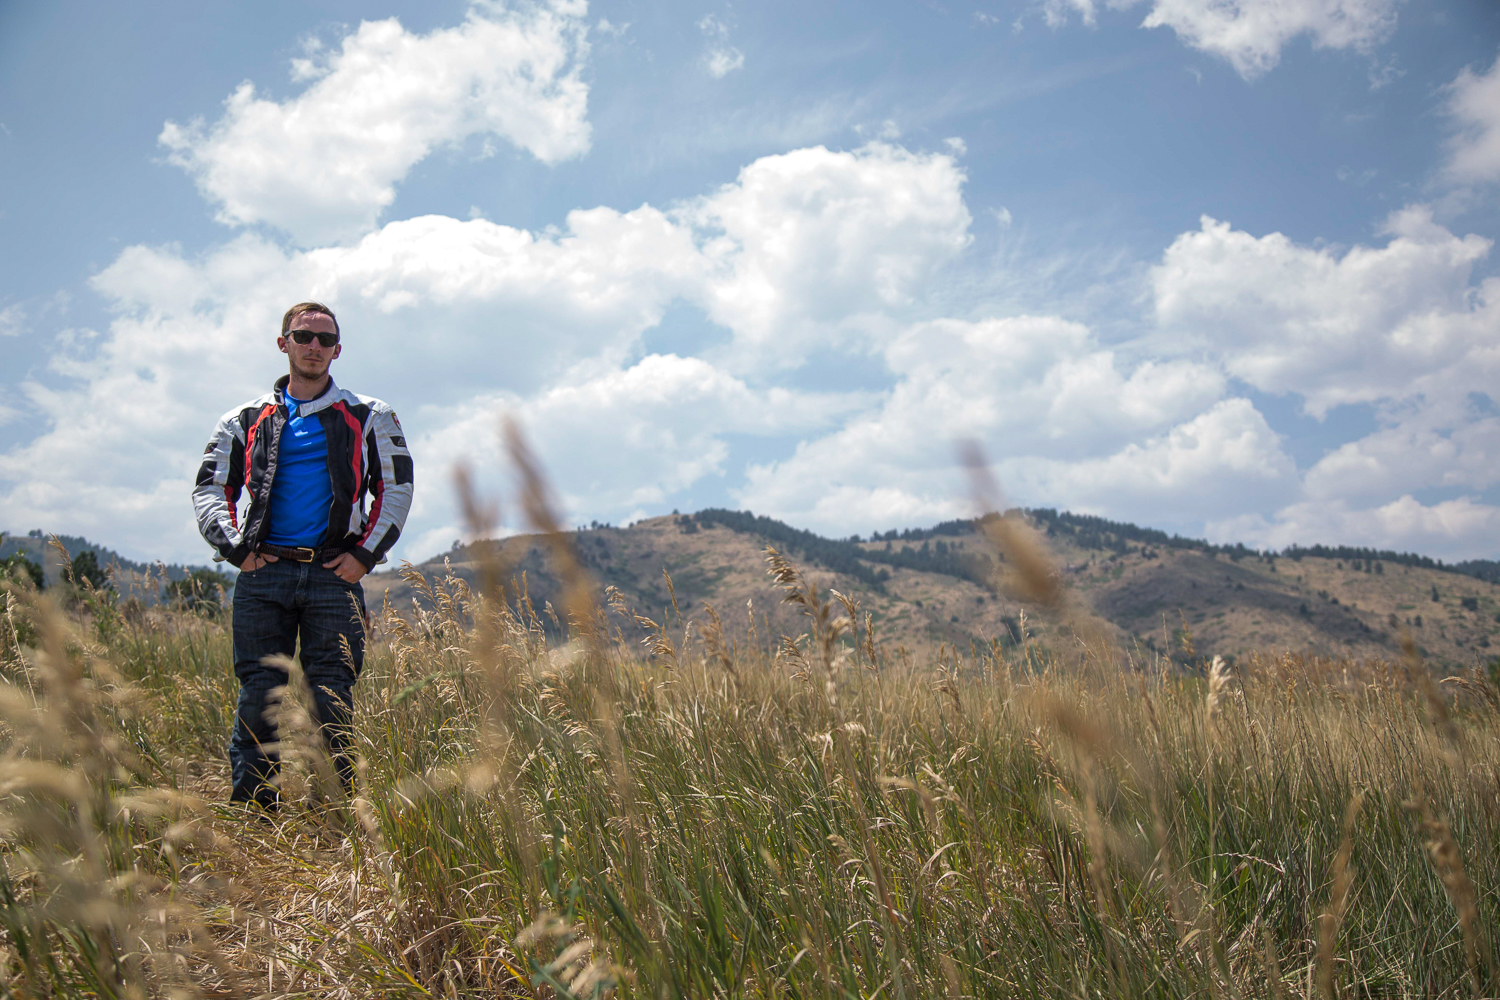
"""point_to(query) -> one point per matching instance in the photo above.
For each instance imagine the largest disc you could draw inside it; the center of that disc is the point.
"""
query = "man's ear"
(337, 350)
(281, 345)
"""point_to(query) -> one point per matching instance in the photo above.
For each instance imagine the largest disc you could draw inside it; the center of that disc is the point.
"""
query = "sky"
(1221, 267)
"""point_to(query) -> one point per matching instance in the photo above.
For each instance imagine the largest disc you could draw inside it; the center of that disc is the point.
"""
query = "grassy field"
(805, 817)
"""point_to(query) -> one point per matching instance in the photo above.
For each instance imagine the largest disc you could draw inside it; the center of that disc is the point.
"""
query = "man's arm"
(217, 489)
(389, 482)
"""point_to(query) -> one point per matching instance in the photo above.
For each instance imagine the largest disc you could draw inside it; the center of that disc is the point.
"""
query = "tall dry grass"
(800, 816)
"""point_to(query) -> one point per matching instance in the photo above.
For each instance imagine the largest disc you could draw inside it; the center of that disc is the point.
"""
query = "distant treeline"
(1099, 533)
(953, 559)
(1484, 569)
(848, 556)
(839, 556)
(34, 544)
(1087, 531)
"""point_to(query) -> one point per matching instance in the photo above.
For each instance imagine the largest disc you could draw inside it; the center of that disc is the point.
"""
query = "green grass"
(544, 821)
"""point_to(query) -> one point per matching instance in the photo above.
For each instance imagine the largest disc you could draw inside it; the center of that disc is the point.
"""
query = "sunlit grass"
(546, 815)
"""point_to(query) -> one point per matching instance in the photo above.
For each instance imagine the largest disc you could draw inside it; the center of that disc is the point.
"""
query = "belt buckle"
(297, 554)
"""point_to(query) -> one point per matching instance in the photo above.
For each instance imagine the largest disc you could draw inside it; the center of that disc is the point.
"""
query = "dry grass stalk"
(717, 649)
(538, 506)
(72, 910)
(1032, 576)
(1218, 690)
(1029, 572)
(1437, 705)
(1448, 861)
(797, 590)
(1332, 919)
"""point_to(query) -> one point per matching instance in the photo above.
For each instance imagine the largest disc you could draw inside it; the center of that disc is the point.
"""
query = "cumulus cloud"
(1402, 327)
(1447, 529)
(1250, 34)
(1474, 106)
(632, 437)
(806, 253)
(1224, 459)
(323, 165)
(808, 241)
(1363, 325)
(434, 310)
(815, 249)
(441, 313)
(1446, 443)
(1042, 396)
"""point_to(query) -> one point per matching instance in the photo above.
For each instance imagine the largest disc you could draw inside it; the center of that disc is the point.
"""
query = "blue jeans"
(274, 606)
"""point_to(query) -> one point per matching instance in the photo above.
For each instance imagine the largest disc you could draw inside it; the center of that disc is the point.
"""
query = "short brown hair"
(307, 307)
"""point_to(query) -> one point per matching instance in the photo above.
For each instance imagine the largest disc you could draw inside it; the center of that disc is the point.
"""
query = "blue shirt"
(301, 493)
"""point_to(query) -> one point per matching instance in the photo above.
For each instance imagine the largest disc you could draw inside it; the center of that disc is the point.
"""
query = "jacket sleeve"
(217, 489)
(388, 481)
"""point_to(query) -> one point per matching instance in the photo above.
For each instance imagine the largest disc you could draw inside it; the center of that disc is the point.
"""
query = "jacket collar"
(328, 397)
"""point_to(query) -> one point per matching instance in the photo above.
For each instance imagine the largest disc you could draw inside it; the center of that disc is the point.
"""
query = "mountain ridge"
(925, 587)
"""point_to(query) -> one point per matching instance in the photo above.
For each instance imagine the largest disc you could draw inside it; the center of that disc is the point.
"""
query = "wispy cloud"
(12, 320)
(1474, 107)
(721, 58)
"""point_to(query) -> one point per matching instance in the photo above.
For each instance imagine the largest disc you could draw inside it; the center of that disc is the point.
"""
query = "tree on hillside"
(201, 590)
(86, 569)
(18, 568)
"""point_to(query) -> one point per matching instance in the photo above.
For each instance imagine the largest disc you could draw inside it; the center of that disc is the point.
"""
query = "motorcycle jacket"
(368, 463)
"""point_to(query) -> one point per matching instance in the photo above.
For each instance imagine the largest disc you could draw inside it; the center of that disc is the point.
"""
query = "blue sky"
(1221, 268)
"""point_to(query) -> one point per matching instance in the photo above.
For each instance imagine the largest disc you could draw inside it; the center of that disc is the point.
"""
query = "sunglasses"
(305, 337)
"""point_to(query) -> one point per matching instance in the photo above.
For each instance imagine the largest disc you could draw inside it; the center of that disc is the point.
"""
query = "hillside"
(927, 587)
(131, 577)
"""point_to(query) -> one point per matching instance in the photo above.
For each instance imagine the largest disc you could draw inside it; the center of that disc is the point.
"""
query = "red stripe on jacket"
(357, 456)
(265, 412)
(374, 512)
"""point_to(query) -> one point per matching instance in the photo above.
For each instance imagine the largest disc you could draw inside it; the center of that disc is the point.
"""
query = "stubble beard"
(306, 374)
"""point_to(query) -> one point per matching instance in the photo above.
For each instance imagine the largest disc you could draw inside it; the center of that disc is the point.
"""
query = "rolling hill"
(927, 587)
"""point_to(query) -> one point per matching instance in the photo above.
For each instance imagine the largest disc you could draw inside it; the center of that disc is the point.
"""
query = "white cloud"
(808, 241)
(721, 58)
(632, 437)
(12, 320)
(1224, 459)
(1401, 327)
(721, 62)
(1250, 34)
(1043, 397)
(1474, 105)
(442, 317)
(324, 164)
(433, 310)
(1449, 529)
(713, 27)
(806, 253)
(1448, 443)
(1369, 324)
(1056, 12)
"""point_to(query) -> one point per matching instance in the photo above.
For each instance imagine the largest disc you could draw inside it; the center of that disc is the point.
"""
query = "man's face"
(311, 360)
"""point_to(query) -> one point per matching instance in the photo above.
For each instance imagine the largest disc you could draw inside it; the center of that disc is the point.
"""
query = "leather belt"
(300, 553)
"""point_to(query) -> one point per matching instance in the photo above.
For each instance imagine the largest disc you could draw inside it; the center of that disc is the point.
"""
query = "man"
(310, 455)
